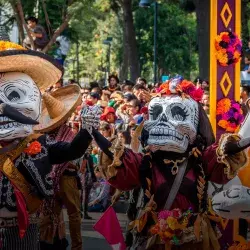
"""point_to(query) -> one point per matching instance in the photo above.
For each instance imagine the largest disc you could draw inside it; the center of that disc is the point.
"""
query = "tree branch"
(47, 18)
(21, 15)
(57, 33)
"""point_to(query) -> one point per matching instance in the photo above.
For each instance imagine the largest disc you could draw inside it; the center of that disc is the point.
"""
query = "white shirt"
(64, 44)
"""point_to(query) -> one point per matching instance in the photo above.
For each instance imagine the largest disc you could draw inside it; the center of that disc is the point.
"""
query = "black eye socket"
(13, 96)
(156, 111)
(179, 113)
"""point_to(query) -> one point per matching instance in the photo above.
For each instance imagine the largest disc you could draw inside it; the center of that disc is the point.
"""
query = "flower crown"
(185, 88)
(229, 115)
(5, 45)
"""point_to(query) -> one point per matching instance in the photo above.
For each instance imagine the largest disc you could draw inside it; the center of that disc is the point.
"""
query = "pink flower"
(164, 214)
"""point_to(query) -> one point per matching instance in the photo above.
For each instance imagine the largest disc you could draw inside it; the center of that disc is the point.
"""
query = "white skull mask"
(172, 124)
(19, 91)
(233, 203)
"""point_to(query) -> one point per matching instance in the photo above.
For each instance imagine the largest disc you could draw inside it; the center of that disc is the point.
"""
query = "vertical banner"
(224, 80)
(225, 15)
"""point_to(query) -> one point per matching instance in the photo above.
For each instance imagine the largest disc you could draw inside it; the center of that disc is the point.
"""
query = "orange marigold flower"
(33, 148)
(223, 123)
(223, 106)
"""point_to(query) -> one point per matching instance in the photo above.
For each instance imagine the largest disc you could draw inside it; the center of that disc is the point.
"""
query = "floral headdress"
(229, 115)
(228, 48)
(6, 45)
(185, 88)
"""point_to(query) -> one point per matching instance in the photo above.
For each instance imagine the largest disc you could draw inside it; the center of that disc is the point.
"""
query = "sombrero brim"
(43, 69)
(71, 98)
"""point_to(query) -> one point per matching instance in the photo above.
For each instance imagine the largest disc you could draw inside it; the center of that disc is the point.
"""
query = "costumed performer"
(180, 157)
(26, 159)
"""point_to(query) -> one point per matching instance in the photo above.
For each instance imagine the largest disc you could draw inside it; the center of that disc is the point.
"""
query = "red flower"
(197, 94)
(225, 38)
(176, 213)
(33, 148)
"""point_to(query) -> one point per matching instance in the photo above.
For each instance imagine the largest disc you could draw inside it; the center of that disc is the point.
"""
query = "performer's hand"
(233, 147)
(90, 116)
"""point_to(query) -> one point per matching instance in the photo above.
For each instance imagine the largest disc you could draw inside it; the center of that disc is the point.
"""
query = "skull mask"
(172, 123)
(20, 92)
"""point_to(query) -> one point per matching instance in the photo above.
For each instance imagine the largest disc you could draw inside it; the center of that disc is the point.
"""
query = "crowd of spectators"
(124, 105)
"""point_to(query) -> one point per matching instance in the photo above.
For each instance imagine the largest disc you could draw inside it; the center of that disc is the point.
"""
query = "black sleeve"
(61, 152)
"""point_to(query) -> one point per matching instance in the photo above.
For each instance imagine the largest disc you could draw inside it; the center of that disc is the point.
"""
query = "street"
(91, 239)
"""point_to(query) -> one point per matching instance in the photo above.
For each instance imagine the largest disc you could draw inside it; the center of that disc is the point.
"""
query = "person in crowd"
(127, 97)
(97, 90)
(109, 115)
(127, 86)
(55, 87)
(71, 81)
(244, 95)
(142, 81)
(38, 34)
(90, 179)
(106, 130)
(64, 46)
(134, 111)
(141, 93)
(58, 54)
(99, 198)
(205, 101)
(198, 81)
(113, 82)
(85, 92)
(93, 98)
(205, 85)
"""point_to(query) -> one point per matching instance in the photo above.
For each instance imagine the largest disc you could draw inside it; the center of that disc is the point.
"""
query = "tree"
(176, 39)
(130, 41)
(55, 21)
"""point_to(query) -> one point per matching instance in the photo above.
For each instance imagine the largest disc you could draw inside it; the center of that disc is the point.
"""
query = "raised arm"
(63, 151)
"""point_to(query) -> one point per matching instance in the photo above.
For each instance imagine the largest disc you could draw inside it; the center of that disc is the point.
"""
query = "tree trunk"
(23, 22)
(19, 22)
(203, 27)
(124, 67)
(131, 40)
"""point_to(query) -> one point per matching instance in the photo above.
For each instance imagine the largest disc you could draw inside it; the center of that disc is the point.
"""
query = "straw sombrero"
(57, 107)
(43, 69)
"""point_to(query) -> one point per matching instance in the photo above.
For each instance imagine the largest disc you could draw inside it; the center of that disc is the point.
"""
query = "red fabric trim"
(22, 213)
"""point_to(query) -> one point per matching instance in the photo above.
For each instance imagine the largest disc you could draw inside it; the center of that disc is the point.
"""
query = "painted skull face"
(172, 123)
(19, 91)
(233, 203)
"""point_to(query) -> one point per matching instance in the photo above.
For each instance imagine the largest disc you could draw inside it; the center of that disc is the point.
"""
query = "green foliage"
(176, 39)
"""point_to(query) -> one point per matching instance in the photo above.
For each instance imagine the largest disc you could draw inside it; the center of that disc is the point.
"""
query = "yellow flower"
(5, 45)
(172, 223)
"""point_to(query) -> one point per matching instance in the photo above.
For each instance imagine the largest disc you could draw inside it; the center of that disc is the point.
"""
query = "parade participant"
(57, 108)
(27, 159)
(180, 157)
